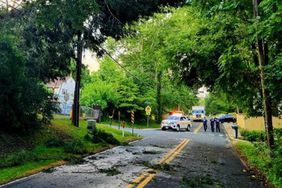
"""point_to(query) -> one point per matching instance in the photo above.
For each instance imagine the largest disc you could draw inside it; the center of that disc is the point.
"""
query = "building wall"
(65, 94)
(256, 123)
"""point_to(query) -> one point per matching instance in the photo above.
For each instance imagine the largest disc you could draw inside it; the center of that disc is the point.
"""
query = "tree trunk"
(159, 101)
(262, 50)
(75, 119)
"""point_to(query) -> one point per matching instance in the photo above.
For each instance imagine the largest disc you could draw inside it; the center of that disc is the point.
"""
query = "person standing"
(205, 123)
(212, 124)
(217, 125)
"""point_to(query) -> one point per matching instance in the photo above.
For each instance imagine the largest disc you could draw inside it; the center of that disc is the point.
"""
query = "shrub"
(88, 137)
(101, 136)
(17, 159)
(75, 147)
(54, 142)
(25, 100)
(254, 136)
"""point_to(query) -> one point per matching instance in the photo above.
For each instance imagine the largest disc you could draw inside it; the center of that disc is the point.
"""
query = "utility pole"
(262, 50)
(159, 101)
(7, 5)
(75, 119)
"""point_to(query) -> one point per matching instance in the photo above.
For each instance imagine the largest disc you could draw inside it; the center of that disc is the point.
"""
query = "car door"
(183, 122)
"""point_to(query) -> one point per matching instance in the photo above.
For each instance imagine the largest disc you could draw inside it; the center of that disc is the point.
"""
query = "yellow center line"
(176, 152)
(171, 152)
(198, 128)
(147, 176)
(146, 181)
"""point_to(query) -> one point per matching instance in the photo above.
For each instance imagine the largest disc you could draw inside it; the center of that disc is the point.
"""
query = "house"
(63, 90)
(202, 92)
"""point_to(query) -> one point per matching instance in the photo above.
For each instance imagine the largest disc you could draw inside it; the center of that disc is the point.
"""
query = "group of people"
(214, 122)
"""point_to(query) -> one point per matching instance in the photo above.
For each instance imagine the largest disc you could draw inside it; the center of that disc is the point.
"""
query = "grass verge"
(50, 146)
(257, 156)
(137, 125)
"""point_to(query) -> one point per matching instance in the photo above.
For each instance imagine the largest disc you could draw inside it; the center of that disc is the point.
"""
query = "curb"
(231, 140)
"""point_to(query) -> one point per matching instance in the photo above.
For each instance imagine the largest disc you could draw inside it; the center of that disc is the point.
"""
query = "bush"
(275, 172)
(25, 101)
(54, 142)
(17, 159)
(101, 136)
(75, 147)
(253, 136)
(258, 156)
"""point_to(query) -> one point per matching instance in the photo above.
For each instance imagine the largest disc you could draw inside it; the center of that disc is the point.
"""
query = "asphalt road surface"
(162, 159)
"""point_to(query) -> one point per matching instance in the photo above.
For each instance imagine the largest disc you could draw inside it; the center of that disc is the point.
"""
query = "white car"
(176, 122)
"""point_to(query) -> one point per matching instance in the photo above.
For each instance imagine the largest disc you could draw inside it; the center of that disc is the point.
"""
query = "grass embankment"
(49, 146)
(257, 155)
(137, 125)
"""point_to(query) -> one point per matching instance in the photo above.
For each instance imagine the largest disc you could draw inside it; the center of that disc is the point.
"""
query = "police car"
(176, 122)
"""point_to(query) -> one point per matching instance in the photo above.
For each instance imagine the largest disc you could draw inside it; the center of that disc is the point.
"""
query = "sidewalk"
(230, 131)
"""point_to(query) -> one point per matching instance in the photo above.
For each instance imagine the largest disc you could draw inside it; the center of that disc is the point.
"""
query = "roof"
(57, 83)
(11, 4)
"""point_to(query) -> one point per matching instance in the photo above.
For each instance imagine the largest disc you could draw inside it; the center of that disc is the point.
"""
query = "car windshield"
(173, 118)
(198, 112)
(225, 116)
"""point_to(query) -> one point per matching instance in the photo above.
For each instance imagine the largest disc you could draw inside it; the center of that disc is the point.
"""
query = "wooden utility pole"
(262, 50)
(159, 101)
(7, 5)
(75, 119)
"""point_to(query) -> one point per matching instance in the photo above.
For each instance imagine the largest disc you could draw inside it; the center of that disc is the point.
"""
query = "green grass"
(258, 157)
(136, 125)
(27, 154)
(8, 174)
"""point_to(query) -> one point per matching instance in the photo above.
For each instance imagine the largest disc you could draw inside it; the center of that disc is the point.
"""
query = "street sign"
(148, 110)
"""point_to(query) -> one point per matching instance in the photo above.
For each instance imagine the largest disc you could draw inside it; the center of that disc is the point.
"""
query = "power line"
(120, 65)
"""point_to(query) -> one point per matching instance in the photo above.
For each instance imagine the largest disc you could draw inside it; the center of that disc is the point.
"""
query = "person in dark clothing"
(212, 124)
(217, 125)
(205, 123)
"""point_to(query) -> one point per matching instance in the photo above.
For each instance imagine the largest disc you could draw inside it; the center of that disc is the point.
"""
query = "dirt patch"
(75, 160)
(49, 170)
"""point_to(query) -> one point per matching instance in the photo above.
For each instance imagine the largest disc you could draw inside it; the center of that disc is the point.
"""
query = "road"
(162, 159)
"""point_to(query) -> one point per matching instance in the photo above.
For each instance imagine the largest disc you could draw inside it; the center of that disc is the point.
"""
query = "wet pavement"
(208, 160)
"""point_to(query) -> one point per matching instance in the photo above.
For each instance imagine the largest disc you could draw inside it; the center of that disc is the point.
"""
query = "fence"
(256, 123)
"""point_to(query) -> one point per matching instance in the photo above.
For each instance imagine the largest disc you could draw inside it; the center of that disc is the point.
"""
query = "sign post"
(148, 113)
(118, 119)
(123, 126)
(132, 121)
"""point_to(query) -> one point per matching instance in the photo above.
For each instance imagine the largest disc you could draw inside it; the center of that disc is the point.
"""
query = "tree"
(86, 25)
(219, 102)
(23, 99)
(213, 43)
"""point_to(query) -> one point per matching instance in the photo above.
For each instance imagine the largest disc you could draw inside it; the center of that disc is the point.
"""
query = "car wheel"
(177, 128)
(188, 128)
(163, 129)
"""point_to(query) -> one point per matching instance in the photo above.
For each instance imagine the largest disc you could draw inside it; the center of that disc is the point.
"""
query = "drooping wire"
(123, 67)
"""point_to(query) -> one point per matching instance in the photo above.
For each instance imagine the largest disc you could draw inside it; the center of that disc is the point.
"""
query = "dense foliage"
(40, 40)
(258, 157)
(217, 103)
(24, 99)
(113, 89)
